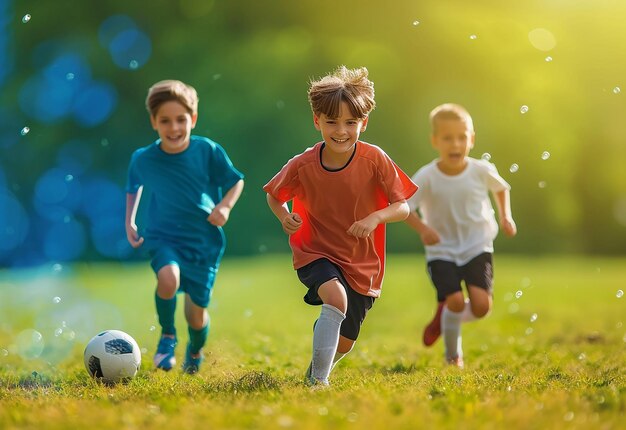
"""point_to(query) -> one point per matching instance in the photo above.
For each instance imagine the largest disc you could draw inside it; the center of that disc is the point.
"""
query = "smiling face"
(453, 139)
(340, 135)
(173, 123)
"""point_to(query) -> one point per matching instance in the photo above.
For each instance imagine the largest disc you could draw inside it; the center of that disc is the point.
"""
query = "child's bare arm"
(221, 212)
(395, 212)
(503, 203)
(132, 203)
(428, 235)
(291, 222)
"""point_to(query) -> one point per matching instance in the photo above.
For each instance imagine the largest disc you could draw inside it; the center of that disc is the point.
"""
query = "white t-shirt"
(458, 208)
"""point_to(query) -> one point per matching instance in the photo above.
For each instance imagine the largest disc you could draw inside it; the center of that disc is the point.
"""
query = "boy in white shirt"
(457, 225)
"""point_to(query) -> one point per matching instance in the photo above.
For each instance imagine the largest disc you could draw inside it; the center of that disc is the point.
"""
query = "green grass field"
(551, 355)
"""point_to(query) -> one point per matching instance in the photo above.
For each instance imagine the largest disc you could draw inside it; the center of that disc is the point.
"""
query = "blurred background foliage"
(74, 76)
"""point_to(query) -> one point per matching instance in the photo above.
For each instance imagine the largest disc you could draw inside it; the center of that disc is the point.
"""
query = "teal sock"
(197, 338)
(166, 308)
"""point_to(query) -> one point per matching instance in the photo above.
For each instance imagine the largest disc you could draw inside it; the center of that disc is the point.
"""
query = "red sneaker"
(433, 329)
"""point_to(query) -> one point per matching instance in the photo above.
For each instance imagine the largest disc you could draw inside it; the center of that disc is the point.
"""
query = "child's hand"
(219, 215)
(133, 237)
(508, 227)
(429, 236)
(291, 223)
(364, 227)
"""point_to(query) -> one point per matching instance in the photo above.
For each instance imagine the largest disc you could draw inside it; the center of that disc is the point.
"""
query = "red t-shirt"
(329, 202)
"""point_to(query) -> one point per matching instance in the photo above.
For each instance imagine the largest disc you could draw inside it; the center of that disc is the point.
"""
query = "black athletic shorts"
(446, 276)
(314, 274)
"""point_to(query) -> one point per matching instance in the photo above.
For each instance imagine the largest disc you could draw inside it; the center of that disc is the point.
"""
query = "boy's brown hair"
(171, 90)
(343, 85)
(450, 111)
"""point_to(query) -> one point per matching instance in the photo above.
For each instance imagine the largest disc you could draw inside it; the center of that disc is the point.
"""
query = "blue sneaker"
(191, 364)
(164, 358)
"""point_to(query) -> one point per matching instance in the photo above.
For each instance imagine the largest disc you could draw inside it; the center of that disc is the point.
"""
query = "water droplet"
(508, 388)
(525, 282)
(56, 299)
(152, 328)
(548, 59)
(513, 308)
(519, 294)
(617, 90)
(473, 37)
(323, 410)
(533, 318)
(57, 267)
(144, 350)
(352, 416)
(247, 313)
(529, 331)
(523, 109)
(545, 155)
(514, 168)
(26, 18)
(285, 421)
(133, 65)
(619, 294)
(542, 184)
(216, 76)
(568, 416)
(58, 332)
(416, 23)
(486, 156)
(69, 178)
(4, 352)
(63, 324)
(24, 131)
(69, 76)
(582, 356)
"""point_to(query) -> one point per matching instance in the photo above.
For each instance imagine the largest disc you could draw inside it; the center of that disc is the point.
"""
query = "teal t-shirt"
(180, 191)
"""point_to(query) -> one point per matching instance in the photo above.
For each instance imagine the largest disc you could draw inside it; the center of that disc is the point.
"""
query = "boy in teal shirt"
(192, 188)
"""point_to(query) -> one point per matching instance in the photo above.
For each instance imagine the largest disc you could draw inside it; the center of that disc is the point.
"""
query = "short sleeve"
(284, 185)
(222, 172)
(419, 178)
(398, 186)
(495, 182)
(133, 181)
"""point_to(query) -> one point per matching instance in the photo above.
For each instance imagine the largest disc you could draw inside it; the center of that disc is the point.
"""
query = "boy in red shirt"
(343, 191)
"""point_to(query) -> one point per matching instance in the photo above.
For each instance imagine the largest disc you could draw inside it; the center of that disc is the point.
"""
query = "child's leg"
(168, 281)
(326, 332)
(480, 302)
(198, 320)
(451, 325)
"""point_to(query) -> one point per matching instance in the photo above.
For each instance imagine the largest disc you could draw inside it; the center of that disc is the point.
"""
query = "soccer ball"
(112, 356)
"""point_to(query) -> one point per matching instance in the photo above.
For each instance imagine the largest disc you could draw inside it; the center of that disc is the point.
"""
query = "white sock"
(325, 340)
(467, 315)
(451, 331)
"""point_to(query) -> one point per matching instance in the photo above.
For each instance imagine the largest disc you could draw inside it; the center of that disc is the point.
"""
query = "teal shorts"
(197, 273)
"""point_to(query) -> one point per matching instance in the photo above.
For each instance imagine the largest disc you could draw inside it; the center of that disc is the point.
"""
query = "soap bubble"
(523, 109)
(514, 168)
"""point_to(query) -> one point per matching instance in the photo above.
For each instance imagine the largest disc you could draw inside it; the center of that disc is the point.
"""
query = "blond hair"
(172, 90)
(450, 111)
(343, 85)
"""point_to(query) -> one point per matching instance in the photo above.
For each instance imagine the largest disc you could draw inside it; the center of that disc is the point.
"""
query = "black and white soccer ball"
(112, 356)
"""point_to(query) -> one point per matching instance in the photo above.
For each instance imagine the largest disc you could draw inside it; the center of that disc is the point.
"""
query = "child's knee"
(168, 281)
(333, 293)
(455, 302)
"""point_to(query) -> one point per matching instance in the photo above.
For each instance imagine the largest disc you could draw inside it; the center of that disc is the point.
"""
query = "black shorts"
(314, 274)
(447, 276)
